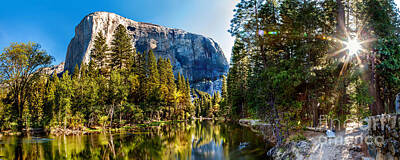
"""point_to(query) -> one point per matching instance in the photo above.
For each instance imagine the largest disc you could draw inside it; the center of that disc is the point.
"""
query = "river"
(194, 140)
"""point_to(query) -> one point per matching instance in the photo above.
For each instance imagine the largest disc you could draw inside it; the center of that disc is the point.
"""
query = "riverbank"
(99, 129)
(84, 130)
(309, 145)
(259, 127)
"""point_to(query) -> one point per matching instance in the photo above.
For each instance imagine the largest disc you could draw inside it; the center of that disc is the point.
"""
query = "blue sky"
(51, 23)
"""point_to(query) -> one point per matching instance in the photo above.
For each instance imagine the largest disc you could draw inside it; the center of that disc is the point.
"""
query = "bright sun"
(354, 46)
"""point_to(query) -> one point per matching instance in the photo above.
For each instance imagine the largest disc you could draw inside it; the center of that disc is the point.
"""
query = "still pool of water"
(193, 140)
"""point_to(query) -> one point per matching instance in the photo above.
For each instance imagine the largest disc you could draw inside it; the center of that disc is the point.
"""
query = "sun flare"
(353, 46)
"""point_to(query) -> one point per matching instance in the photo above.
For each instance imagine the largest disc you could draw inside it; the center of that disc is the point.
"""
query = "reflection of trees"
(200, 139)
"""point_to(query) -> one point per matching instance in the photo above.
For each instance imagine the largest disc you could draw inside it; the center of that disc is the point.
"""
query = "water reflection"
(195, 140)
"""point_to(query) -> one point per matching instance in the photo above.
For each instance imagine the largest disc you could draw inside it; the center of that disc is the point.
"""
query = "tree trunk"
(276, 123)
(20, 121)
(111, 114)
(379, 105)
(392, 108)
(376, 107)
(120, 119)
(340, 28)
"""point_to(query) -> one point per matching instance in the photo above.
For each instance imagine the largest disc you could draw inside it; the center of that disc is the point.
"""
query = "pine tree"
(216, 103)
(92, 71)
(55, 119)
(224, 89)
(237, 79)
(132, 62)
(76, 72)
(189, 105)
(382, 23)
(182, 90)
(170, 76)
(64, 94)
(118, 95)
(152, 84)
(142, 76)
(171, 85)
(121, 48)
(153, 78)
(224, 109)
(77, 101)
(34, 111)
(92, 96)
(187, 89)
(162, 70)
(100, 53)
(179, 83)
(134, 84)
(50, 97)
(103, 104)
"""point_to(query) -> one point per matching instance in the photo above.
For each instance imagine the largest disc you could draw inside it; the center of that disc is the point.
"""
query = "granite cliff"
(54, 69)
(197, 57)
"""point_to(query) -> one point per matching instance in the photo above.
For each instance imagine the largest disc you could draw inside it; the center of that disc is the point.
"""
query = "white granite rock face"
(197, 57)
(55, 68)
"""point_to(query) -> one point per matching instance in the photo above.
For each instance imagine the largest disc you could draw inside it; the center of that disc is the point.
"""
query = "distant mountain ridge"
(197, 57)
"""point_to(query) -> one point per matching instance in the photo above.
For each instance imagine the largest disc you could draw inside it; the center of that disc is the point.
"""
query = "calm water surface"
(194, 140)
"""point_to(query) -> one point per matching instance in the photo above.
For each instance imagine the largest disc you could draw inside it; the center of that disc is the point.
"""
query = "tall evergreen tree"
(153, 83)
(50, 97)
(121, 48)
(118, 95)
(162, 71)
(65, 93)
(34, 110)
(237, 79)
(100, 53)
(171, 85)
(142, 75)
(153, 74)
(383, 24)
(224, 109)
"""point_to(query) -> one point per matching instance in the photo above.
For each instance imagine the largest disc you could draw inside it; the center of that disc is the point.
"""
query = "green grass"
(298, 137)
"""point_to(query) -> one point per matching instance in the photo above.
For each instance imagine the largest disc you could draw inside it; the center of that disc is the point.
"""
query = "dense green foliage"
(383, 19)
(207, 105)
(288, 66)
(134, 88)
(20, 66)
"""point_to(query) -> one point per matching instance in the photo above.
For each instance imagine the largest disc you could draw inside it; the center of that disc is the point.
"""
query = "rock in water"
(197, 57)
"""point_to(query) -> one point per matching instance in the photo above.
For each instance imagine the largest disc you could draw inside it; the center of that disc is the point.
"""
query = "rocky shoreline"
(314, 145)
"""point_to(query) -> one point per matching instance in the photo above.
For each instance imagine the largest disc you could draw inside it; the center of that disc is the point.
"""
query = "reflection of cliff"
(206, 133)
(210, 150)
(208, 142)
